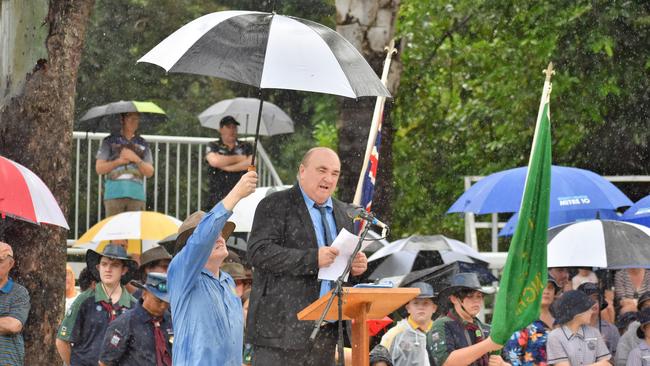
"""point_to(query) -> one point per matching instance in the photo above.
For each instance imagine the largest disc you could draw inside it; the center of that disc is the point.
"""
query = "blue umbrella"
(571, 189)
(562, 217)
(639, 213)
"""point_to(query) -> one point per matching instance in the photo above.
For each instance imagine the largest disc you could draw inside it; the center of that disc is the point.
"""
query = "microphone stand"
(338, 292)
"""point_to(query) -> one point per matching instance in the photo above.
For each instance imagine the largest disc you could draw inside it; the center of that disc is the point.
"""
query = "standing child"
(574, 342)
(640, 356)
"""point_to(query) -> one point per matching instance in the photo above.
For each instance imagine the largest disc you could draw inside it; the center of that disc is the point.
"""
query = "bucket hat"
(191, 222)
(644, 319)
(426, 290)
(570, 304)
(156, 284)
(591, 288)
(114, 252)
(151, 256)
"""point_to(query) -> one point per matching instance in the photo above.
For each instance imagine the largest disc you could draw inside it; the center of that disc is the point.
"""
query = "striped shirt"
(14, 302)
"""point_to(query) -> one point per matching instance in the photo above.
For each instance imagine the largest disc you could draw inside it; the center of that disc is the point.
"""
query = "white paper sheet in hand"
(345, 242)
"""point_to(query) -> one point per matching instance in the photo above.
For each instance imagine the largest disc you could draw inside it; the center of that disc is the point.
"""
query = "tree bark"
(36, 131)
(369, 25)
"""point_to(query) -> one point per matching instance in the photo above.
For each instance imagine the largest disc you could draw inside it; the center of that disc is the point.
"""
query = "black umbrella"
(106, 117)
(268, 51)
(439, 276)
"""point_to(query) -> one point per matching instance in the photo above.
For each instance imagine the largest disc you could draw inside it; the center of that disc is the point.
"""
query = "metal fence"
(471, 224)
(176, 188)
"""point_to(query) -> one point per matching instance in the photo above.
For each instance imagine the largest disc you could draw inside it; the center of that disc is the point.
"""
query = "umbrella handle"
(251, 168)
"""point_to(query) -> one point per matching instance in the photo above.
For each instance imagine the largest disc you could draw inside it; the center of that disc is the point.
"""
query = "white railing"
(494, 225)
(176, 188)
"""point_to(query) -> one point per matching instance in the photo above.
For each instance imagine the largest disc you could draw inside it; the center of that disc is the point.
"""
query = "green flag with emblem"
(525, 275)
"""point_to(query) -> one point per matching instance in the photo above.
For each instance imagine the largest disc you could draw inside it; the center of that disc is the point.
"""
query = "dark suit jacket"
(284, 253)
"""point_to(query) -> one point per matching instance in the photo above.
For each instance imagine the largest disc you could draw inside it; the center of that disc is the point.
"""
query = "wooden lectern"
(360, 304)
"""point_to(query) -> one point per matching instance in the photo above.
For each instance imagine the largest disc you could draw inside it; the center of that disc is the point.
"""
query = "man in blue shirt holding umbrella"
(206, 312)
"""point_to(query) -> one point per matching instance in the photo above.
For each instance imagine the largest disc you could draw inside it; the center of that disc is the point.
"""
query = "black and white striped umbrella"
(599, 243)
(268, 51)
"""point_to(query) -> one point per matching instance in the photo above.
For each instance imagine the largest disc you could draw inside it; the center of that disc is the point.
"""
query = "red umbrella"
(24, 196)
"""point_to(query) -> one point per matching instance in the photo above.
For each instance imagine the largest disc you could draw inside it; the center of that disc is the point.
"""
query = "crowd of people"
(203, 305)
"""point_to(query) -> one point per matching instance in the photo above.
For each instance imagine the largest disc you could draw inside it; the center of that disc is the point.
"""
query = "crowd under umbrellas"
(437, 261)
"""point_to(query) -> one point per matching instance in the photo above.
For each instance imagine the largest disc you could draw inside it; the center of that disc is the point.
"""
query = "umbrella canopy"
(139, 225)
(24, 196)
(599, 243)
(420, 252)
(571, 189)
(562, 217)
(268, 51)
(244, 211)
(639, 213)
(106, 117)
(273, 121)
(439, 276)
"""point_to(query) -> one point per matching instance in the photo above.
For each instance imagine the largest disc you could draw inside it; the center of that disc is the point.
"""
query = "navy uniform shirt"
(86, 321)
(449, 334)
(221, 182)
(130, 340)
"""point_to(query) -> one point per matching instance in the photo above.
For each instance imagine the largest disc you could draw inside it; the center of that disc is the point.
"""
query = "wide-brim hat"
(644, 319)
(156, 284)
(463, 281)
(114, 252)
(570, 304)
(236, 271)
(191, 222)
(590, 289)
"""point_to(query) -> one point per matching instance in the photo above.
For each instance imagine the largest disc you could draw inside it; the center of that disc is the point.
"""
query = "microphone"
(356, 212)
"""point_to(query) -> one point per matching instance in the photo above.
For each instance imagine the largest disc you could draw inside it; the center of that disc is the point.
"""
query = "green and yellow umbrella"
(106, 117)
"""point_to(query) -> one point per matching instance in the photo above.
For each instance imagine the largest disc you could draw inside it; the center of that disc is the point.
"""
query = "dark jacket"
(284, 253)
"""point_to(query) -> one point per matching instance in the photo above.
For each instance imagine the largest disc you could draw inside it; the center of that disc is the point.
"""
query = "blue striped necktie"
(325, 285)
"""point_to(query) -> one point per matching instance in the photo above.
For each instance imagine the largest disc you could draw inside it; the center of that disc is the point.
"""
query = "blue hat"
(644, 319)
(156, 284)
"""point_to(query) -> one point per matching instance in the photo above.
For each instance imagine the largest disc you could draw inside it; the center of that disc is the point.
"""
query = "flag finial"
(549, 71)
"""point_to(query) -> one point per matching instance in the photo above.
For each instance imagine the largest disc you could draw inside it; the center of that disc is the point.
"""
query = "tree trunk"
(369, 25)
(36, 119)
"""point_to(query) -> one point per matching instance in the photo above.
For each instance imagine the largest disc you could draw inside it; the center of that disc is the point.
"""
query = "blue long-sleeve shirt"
(207, 314)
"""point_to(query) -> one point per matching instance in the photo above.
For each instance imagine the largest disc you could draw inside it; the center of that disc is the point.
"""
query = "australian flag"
(371, 174)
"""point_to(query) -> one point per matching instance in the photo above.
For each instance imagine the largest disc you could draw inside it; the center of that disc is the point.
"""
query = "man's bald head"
(319, 149)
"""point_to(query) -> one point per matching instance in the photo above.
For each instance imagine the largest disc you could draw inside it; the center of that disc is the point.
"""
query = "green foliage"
(471, 86)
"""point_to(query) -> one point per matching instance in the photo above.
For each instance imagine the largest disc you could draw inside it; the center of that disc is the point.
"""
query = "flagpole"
(546, 95)
(375, 125)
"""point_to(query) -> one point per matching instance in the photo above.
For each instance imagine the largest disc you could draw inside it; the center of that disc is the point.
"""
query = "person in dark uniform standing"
(228, 159)
(82, 330)
(459, 338)
(142, 336)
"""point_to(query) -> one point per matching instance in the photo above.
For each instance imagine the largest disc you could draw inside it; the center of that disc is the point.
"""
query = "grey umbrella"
(273, 122)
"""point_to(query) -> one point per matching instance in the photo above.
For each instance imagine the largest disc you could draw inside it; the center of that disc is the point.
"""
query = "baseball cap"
(227, 120)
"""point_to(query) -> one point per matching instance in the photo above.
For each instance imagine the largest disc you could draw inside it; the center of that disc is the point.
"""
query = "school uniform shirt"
(639, 356)
(130, 340)
(86, 321)
(584, 347)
